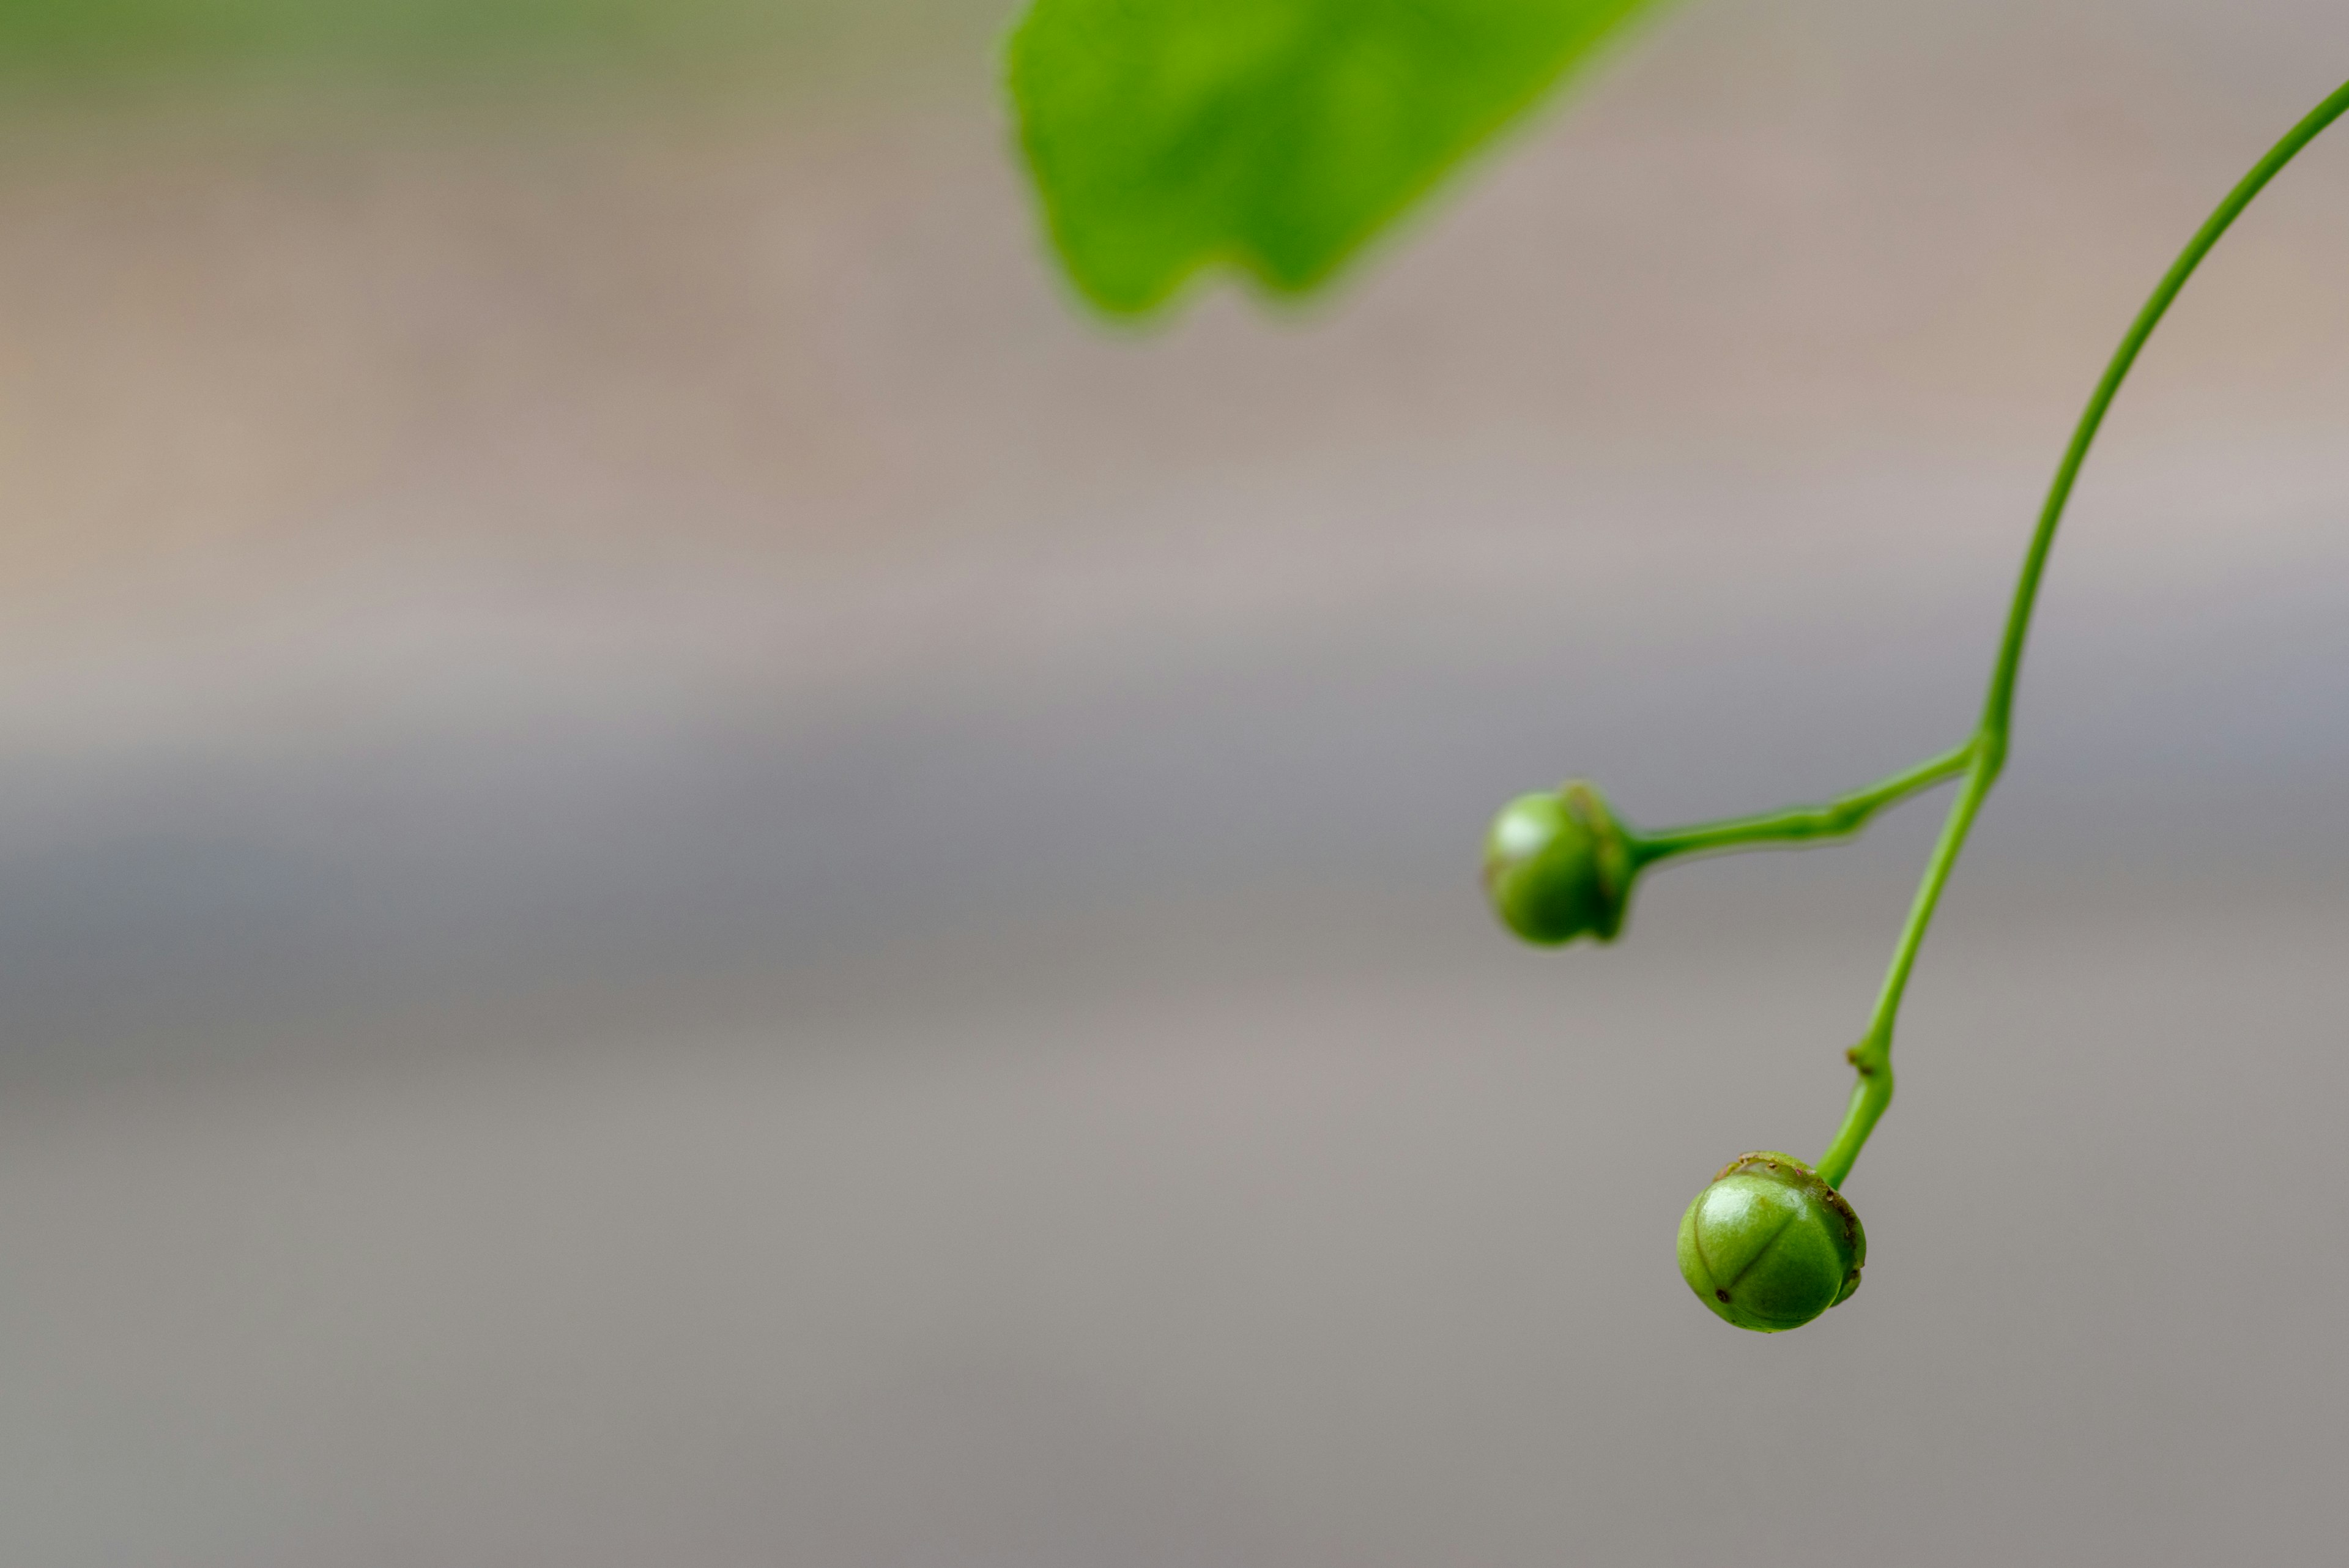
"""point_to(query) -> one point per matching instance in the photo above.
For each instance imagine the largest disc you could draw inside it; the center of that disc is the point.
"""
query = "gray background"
(686, 878)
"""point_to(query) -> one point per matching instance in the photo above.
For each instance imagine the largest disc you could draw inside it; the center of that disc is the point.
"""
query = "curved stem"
(1838, 818)
(2000, 706)
(1872, 1057)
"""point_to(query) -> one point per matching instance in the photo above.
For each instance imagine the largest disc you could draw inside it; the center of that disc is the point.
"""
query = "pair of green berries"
(1768, 1245)
(1771, 1244)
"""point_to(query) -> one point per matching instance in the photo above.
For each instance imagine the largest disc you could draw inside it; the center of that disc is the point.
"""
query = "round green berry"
(1557, 866)
(1769, 1246)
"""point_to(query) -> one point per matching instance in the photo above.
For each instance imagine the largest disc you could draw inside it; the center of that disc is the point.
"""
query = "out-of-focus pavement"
(684, 877)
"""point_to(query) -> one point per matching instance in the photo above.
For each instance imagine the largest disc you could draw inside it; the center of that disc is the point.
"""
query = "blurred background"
(686, 877)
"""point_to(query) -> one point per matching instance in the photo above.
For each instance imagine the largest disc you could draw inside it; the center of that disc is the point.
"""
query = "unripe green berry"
(1769, 1246)
(1557, 866)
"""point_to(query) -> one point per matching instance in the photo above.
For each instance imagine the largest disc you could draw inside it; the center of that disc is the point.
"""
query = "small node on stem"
(1558, 866)
(1769, 1245)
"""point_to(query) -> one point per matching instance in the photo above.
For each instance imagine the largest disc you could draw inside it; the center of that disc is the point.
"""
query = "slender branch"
(1838, 818)
(1999, 709)
(1872, 1057)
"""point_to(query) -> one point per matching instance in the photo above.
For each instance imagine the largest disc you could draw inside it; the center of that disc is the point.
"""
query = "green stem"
(1838, 818)
(1872, 1057)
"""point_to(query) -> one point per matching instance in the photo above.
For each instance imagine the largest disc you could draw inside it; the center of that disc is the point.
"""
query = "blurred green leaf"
(1275, 136)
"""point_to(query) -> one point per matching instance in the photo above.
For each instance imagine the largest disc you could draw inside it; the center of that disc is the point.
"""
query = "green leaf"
(1275, 136)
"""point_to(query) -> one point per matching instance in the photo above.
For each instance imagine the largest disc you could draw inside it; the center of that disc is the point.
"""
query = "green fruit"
(1558, 866)
(1769, 1246)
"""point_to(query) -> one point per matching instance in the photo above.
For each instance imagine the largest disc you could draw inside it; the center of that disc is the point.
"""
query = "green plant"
(1980, 761)
(1186, 103)
(1276, 137)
